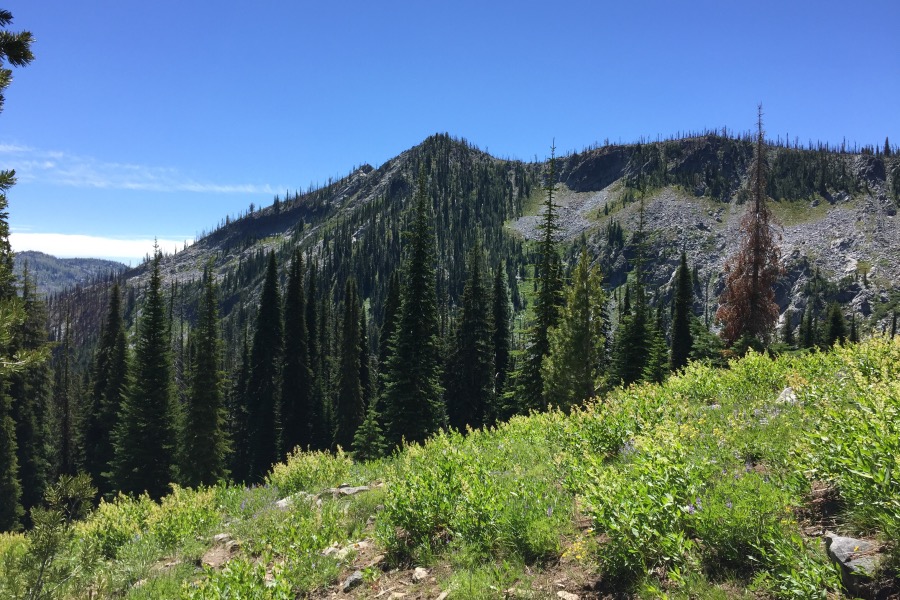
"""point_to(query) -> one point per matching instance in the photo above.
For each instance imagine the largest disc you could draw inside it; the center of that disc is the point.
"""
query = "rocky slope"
(837, 213)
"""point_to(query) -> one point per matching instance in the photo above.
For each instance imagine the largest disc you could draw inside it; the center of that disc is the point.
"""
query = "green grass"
(693, 488)
(797, 212)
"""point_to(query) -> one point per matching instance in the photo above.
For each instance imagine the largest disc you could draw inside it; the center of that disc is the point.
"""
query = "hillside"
(837, 212)
(51, 275)
(733, 483)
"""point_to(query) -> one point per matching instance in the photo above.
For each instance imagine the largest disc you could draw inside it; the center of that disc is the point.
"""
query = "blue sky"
(156, 119)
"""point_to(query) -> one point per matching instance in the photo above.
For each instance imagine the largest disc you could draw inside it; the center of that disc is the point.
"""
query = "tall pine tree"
(500, 318)
(682, 340)
(205, 443)
(145, 437)
(265, 376)
(349, 407)
(15, 49)
(30, 389)
(101, 411)
(572, 370)
(297, 393)
(470, 393)
(413, 397)
(529, 380)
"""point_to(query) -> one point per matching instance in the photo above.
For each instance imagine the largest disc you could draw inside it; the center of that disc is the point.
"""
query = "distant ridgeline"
(341, 255)
(51, 275)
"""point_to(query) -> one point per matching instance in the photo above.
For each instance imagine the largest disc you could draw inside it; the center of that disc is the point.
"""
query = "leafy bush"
(310, 471)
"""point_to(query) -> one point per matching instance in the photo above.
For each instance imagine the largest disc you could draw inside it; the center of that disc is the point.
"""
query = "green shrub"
(310, 471)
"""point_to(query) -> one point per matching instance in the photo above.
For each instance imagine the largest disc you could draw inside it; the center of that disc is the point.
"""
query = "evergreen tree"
(530, 383)
(365, 360)
(787, 333)
(205, 444)
(349, 407)
(682, 340)
(104, 400)
(368, 442)
(239, 412)
(837, 326)
(145, 435)
(747, 307)
(501, 317)
(632, 344)
(297, 374)
(65, 404)
(389, 320)
(657, 366)
(320, 434)
(572, 370)
(470, 393)
(265, 374)
(413, 403)
(15, 48)
(809, 329)
(854, 334)
(30, 390)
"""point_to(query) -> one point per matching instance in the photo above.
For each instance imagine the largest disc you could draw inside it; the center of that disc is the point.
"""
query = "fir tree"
(854, 334)
(239, 412)
(837, 326)
(787, 332)
(530, 384)
(65, 404)
(572, 370)
(389, 320)
(205, 444)
(105, 397)
(631, 345)
(297, 374)
(682, 340)
(15, 48)
(265, 374)
(470, 393)
(747, 307)
(365, 360)
(501, 317)
(658, 360)
(413, 403)
(349, 408)
(30, 391)
(368, 442)
(145, 435)
(320, 430)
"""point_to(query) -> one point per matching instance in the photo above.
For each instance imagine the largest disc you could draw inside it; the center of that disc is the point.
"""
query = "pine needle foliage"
(572, 370)
(265, 376)
(145, 437)
(530, 383)
(297, 374)
(205, 443)
(747, 307)
(105, 398)
(682, 340)
(413, 395)
(470, 393)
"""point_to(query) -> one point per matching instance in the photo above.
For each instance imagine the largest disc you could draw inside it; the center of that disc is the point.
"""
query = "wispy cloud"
(62, 168)
(127, 250)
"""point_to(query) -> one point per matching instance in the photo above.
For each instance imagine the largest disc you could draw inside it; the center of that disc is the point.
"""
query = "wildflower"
(728, 505)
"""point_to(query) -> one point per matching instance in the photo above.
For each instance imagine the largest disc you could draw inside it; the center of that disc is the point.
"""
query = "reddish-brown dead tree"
(747, 307)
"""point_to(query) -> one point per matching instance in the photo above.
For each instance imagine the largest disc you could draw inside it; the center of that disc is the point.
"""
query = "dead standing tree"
(747, 307)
